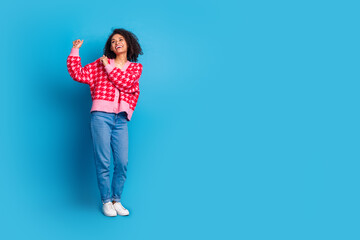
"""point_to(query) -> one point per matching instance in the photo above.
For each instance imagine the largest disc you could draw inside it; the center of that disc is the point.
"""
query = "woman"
(114, 85)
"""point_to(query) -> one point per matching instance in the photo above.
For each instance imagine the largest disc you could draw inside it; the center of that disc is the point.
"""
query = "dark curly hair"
(133, 46)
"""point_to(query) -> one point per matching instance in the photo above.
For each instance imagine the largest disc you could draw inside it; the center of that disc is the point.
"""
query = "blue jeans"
(109, 130)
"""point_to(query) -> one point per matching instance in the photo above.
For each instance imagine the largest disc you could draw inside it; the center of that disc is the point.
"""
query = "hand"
(77, 43)
(104, 60)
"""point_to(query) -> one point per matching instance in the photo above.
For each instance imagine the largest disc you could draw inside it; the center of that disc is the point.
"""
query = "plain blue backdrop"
(247, 124)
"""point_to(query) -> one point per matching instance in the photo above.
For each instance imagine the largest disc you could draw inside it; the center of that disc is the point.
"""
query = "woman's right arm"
(78, 73)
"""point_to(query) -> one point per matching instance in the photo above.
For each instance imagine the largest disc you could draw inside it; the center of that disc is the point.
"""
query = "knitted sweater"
(112, 89)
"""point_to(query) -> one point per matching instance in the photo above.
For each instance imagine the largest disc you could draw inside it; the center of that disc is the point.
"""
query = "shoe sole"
(110, 215)
(123, 214)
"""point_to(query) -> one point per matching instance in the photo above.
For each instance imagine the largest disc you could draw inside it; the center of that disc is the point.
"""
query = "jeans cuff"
(116, 199)
(106, 200)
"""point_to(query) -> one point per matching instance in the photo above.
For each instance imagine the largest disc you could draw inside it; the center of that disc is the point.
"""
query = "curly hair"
(133, 46)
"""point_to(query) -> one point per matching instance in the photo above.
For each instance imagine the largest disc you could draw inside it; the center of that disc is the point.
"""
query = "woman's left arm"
(125, 80)
(132, 89)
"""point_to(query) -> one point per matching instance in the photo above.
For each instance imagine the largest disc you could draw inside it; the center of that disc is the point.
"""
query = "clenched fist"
(77, 43)
(104, 60)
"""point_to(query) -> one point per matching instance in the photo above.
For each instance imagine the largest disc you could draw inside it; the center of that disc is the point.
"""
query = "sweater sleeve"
(76, 71)
(134, 88)
(125, 81)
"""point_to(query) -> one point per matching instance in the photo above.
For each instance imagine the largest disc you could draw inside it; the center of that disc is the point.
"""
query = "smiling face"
(118, 44)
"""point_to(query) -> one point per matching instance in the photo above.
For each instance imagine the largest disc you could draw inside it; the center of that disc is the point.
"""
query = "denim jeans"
(109, 132)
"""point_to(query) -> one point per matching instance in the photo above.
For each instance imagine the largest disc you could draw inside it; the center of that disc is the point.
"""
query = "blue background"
(247, 124)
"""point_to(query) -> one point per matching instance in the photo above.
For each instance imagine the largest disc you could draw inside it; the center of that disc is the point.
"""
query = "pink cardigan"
(113, 90)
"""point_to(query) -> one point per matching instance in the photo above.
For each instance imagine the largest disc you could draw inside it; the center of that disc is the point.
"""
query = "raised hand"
(77, 43)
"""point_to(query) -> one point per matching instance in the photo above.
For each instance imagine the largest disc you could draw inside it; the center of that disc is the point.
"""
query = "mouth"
(117, 47)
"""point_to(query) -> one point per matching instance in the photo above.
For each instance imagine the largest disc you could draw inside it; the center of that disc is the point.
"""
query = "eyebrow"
(114, 38)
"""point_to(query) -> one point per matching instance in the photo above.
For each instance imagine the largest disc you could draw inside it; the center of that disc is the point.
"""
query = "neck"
(121, 59)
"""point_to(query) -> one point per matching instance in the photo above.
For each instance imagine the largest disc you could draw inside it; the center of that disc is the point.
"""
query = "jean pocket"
(123, 115)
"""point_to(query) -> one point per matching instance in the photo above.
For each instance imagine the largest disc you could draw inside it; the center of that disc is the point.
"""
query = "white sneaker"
(120, 209)
(108, 209)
